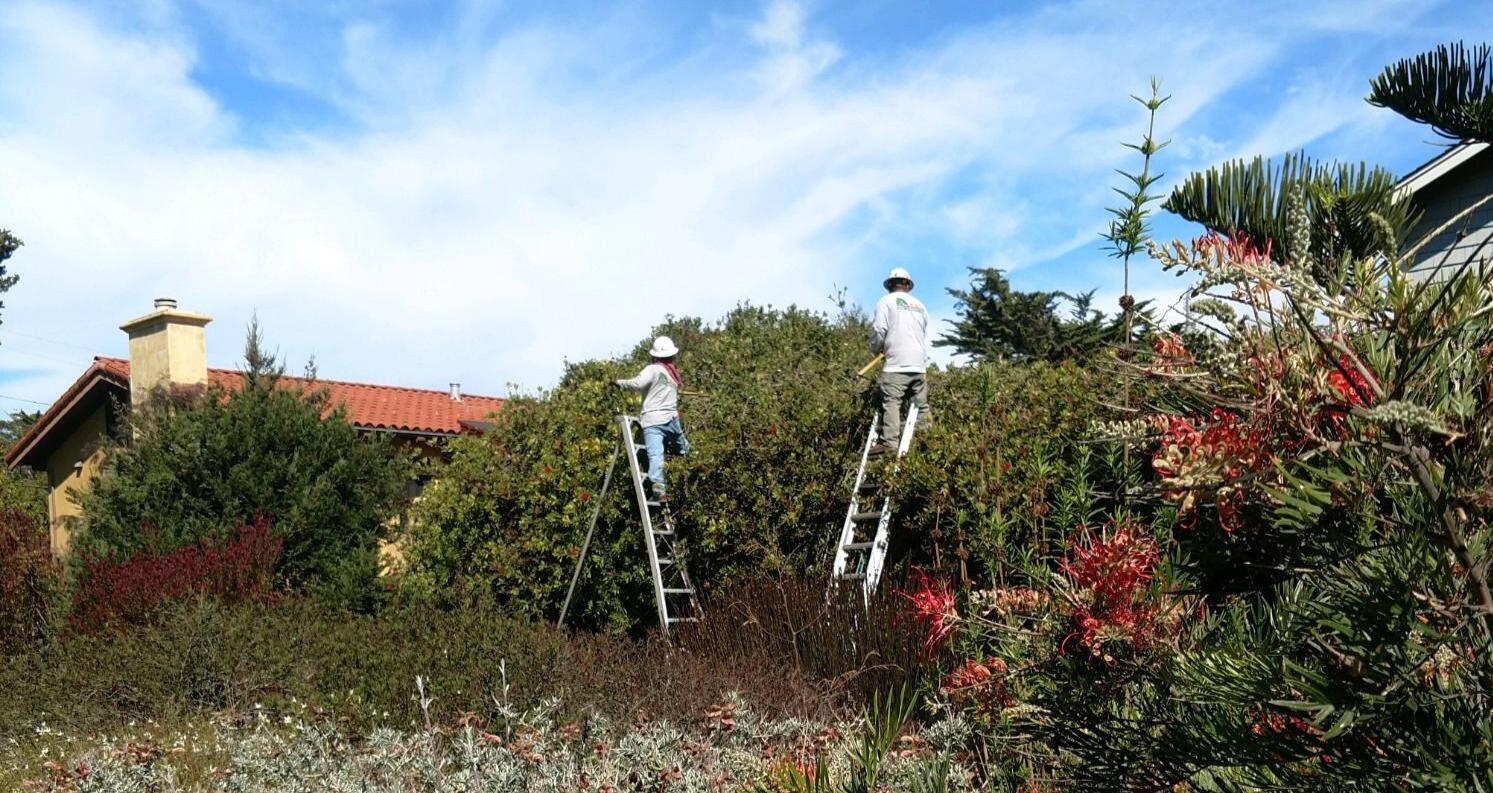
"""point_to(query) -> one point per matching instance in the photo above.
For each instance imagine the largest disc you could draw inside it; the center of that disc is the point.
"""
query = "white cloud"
(505, 204)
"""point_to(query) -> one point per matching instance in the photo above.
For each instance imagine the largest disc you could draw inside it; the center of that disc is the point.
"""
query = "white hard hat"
(897, 274)
(663, 347)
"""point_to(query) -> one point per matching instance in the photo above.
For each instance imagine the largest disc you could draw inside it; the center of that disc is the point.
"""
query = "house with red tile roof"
(167, 348)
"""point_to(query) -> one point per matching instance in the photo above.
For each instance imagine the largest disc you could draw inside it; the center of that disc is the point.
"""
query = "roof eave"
(1439, 166)
(25, 447)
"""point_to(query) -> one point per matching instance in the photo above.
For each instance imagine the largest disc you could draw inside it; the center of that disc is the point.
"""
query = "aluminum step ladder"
(672, 590)
(860, 552)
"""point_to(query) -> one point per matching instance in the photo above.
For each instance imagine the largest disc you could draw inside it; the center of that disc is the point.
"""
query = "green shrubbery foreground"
(200, 657)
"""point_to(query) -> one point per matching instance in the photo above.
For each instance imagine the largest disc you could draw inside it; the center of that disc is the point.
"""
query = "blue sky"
(423, 192)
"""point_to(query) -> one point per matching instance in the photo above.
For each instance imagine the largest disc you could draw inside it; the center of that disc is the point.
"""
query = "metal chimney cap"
(165, 302)
(456, 392)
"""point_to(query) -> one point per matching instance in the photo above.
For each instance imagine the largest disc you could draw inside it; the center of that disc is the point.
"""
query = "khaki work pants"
(898, 388)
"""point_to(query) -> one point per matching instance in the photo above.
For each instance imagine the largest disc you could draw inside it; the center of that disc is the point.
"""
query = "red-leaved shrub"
(28, 579)
(115, 591)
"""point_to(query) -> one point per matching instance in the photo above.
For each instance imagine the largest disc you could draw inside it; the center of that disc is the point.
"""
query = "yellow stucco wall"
(70, 467)
(391, 549)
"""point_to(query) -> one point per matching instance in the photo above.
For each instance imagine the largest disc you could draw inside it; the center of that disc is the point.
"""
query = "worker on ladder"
(660, 383)
(899, 331)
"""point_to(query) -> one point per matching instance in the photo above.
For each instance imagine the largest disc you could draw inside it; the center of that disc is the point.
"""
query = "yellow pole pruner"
(869, 366)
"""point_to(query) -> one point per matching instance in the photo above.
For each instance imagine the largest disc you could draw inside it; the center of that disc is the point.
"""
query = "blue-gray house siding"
(1441, 190)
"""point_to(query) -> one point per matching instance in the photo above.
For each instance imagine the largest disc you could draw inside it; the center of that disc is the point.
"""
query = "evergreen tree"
(8, 246)
(192, 467)
(1449, 88)
(998, 322)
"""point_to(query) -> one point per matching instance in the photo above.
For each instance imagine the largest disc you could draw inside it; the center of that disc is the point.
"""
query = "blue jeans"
(659, 437)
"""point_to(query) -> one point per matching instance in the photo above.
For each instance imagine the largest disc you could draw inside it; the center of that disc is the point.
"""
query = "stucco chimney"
(168, 347)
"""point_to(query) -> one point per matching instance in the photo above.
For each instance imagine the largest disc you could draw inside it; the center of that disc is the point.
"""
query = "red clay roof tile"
(369, 406)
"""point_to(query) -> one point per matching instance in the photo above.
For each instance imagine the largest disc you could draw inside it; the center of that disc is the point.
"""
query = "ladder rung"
(859, 516)
(856, 546)
(684, 619)
(663, 532)
(679, 591)
(662, 562)
(852, 576)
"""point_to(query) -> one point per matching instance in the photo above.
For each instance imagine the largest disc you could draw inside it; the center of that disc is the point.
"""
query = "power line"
(23, 399)
(9, 350)
(44, 339)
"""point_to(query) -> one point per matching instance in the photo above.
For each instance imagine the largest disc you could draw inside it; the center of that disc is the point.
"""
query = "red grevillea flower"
(1171, 352)
(1236, 247)
(933, 604)
(1111, 575)
(1351, 385)
(1195, 458)
(1114, 568)
(980, 684)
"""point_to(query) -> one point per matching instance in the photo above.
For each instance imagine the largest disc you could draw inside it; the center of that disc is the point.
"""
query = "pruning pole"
(867, 367)
(586, 546)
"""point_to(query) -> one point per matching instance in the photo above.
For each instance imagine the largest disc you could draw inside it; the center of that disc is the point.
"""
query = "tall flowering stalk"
(1129, 229)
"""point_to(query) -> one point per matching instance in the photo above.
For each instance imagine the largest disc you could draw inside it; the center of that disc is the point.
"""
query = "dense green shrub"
(205, 656)
(1005, 466)
(776, 435)
(780, 409)
(196, 468)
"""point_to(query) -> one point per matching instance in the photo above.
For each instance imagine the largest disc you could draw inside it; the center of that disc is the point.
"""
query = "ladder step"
(663, 532)
(856, 546)
(852, 576)
(679, 591)
(684, 619)
(859, 516)
(662, 562)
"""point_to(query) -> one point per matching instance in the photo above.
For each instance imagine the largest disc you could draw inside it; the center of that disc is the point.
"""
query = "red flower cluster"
(1171, 353)
(1352, 387)
(981, 685)
(1236, 247)
(1270, 724)
(1111, 575)
(127, 590)
(1275, 723)
(1212, 457)
(932, 603)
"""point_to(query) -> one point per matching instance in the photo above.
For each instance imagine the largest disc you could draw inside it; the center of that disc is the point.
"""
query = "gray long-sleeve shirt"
(660, 394)
(900, 329)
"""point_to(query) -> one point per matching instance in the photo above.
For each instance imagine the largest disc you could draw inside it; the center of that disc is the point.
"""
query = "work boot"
(659, 494)
(881, 449)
